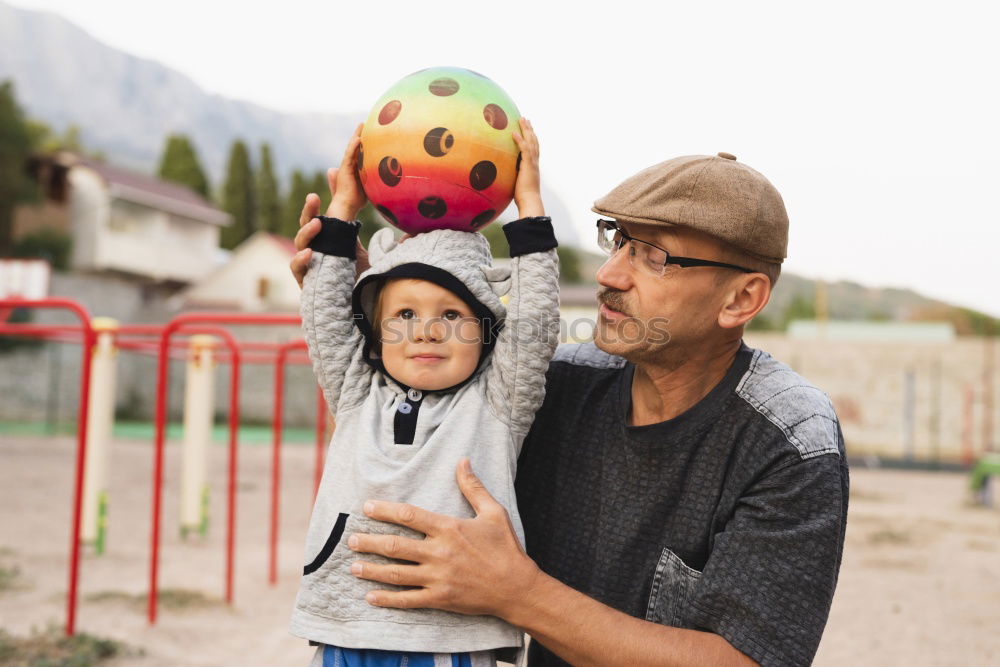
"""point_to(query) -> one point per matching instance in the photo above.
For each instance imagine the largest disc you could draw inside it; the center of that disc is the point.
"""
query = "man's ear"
(382, 242)
(746, 297)
(498, 278)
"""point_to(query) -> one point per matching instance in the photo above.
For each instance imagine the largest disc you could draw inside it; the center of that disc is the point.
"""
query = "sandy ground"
(920, 583)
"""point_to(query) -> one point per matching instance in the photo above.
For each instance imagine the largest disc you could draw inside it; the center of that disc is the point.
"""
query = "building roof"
(151, 191)
(286, 244)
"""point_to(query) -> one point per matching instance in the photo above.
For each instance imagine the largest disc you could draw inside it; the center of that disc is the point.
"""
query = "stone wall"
(924, 401)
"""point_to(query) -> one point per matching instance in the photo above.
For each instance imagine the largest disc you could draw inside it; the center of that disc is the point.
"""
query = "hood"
(458, 261)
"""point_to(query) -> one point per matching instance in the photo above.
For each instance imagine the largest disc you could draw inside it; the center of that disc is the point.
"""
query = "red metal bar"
(28, 329)
(187, 321)
(160, 428)
(89, 339)
(284, 352)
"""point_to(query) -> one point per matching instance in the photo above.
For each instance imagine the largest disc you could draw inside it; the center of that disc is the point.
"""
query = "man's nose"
(616, 272)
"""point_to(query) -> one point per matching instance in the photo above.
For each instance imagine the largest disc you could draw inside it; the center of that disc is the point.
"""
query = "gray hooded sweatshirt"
(401, 444)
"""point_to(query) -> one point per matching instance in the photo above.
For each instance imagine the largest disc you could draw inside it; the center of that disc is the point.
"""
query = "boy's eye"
(406, 314)
(452, 315)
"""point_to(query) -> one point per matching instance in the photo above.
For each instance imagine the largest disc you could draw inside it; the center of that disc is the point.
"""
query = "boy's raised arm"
(516, 381)
(332, 256)
(327, 317)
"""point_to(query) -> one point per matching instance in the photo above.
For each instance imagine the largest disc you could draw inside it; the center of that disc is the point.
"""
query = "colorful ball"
(437, 151)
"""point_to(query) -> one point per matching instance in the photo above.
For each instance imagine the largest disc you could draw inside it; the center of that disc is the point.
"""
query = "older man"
(684, 496)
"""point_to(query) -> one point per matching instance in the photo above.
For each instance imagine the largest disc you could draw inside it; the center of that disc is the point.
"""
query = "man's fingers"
(417, 598)
(390, 546)
(310, 209)
(390, 573)
(300, 264)
(403, 514)
(306, 233)
(473, 490)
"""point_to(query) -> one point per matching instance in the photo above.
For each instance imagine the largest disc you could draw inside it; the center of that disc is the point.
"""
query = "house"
(256, 278)
(123, 221)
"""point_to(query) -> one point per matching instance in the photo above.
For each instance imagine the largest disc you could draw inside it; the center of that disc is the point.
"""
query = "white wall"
(121, 235)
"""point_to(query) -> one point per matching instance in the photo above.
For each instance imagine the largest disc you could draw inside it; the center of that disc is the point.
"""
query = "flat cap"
(713, 194)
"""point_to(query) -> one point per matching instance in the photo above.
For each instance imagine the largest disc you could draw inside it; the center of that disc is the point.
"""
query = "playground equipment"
(99, 422)
(199, 404)
(102, 340)
(88, 336)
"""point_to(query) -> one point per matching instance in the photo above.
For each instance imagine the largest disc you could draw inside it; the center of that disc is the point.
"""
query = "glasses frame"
(683, 262)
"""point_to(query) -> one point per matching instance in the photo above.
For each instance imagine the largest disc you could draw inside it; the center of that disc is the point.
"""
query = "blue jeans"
(335, 656)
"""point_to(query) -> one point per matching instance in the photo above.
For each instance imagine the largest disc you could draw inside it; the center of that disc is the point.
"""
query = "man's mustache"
(613, 299)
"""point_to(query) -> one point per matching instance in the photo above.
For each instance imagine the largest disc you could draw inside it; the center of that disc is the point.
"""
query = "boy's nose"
(429, 331)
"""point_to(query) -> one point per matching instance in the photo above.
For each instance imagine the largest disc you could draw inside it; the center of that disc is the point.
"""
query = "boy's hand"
(347, 194)
(528, 187)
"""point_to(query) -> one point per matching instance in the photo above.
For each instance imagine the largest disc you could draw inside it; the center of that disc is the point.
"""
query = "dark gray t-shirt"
(728, 518)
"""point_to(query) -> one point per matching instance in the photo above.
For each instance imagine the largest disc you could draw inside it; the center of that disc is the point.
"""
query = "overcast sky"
(877, 121)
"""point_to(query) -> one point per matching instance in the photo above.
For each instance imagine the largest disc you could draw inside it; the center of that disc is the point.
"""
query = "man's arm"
(477, 566)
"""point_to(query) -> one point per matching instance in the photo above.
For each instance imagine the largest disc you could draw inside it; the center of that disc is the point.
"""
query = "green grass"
(52, 648)
(10, 575)
(168, 598)
(249, 434)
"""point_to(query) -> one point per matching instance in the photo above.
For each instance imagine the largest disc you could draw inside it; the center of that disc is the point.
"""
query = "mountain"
(126, 106)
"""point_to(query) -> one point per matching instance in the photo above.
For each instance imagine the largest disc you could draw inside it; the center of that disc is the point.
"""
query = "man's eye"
(406, 314)
(452, 315)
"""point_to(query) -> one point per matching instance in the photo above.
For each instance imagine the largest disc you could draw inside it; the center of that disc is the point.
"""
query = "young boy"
(421, 365)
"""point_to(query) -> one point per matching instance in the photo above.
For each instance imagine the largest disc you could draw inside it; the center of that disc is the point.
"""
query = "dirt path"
(920, 583)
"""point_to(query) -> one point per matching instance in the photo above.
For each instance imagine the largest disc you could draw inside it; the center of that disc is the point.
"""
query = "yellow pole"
(199, 407)
(100, 420)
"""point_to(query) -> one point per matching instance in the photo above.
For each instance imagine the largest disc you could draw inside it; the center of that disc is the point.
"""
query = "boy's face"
(430, 338)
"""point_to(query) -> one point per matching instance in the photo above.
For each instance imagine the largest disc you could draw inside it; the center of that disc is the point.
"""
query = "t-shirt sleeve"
(768, 583)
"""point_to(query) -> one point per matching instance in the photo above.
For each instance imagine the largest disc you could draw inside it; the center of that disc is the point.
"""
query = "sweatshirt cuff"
(529, 235)
(336, 237)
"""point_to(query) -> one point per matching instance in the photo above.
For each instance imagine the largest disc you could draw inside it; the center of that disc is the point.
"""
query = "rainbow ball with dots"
(437, 151)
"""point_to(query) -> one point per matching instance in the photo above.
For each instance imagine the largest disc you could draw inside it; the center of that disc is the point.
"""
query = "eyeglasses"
(645, 256)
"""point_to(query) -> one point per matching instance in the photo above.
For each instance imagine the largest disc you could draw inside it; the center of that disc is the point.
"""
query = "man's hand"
(528, 187)
(470, 566)
(346, 199)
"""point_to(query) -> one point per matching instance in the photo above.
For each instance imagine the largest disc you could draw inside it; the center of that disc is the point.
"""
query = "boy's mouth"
(427, 357)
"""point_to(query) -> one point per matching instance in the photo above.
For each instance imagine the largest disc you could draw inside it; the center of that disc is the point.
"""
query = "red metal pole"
(279, 389)
(234, 429)
(89, 339)
(276, 429)
(163, 363)
(160, 427)
(192, 324)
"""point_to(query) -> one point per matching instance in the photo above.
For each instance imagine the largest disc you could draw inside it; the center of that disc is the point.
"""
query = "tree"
(16, 185)
(322, 188)
(298, 188)
(179, 164)
(268, 198)
(238, 197)
(569, 265)
(371, 222)
(801, 308)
